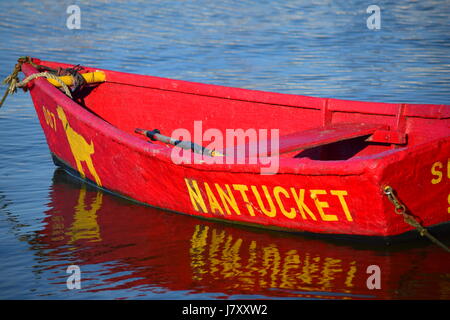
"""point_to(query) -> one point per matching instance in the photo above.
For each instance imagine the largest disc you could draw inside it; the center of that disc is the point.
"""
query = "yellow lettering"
(49, 117)
(223, 200)
(340, 194)
(436, 173)
(243, 189)
(196, 196)
(300, 201)
(321, 205)
(276, 192)
(448, 168)
(448, 200)
(273, 211)
(213, 203)
(228, 199)
(47, 120)
(54, 121)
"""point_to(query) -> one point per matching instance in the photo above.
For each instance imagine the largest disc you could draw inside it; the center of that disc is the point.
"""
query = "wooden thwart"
(311, 138)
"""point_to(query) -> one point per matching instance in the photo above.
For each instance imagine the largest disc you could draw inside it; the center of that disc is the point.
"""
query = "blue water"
(318, 48)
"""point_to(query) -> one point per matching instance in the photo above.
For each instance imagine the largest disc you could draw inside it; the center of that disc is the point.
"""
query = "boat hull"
(337, 198)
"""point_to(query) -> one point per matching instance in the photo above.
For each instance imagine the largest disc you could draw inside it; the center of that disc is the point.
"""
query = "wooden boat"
(335, 158)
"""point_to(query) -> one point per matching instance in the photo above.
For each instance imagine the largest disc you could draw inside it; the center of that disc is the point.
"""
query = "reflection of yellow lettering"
(214, 260)
(219, 256)
(85, 224)
(276, 192)
(195, 195)
(330, 268)
(199, 237)
(242, 188)
(251, 268)
(291, 264)
(198, 244)
(309, 267)
(340, 194)
(320, 205)
(81, 150)
(230, 257)
(271, 261)
(213, 203)
(300, 201)
(350, 274)
(273, 211)
(437, 173)
(57, 226)
(228, 199)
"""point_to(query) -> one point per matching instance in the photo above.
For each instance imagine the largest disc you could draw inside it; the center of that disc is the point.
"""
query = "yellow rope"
(400, 208)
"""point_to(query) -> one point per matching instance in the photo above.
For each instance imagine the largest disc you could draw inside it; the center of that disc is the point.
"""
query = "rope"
(13, 81)
(48, 76)
(400, 208)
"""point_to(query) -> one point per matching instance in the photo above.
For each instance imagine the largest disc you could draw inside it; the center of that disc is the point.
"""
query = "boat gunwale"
(429, 111)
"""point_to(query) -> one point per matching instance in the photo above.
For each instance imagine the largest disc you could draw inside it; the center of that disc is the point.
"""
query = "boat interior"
(308, 127)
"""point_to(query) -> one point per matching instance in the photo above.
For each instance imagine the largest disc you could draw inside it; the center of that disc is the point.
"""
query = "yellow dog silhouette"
(81, 150)
(85, 224)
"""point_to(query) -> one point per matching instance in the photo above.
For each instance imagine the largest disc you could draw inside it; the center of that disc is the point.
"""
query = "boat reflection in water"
(149, 250)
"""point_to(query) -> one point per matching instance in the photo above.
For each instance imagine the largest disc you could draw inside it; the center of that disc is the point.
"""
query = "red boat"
(342, 167)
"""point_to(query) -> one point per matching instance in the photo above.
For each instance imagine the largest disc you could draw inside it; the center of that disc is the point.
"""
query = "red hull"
(333, 188)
